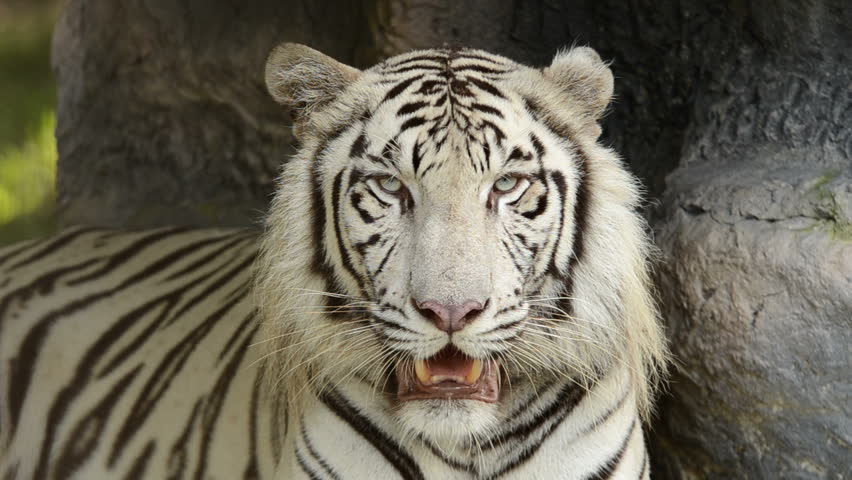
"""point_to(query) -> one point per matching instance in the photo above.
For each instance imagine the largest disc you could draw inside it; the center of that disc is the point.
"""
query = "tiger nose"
(450, 318)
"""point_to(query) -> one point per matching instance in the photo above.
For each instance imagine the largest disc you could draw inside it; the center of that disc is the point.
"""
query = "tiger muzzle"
(450, 374)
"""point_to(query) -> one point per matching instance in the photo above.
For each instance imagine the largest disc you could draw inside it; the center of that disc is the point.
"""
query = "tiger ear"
(586, 79)
(304, 79)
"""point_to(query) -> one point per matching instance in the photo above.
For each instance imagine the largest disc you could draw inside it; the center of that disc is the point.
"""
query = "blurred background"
(27, 119)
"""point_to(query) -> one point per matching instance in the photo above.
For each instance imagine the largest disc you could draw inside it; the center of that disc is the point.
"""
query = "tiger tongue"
(449, 364)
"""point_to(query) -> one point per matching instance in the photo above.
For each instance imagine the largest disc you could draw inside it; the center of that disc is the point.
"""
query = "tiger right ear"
(585, 78)
(304, 79)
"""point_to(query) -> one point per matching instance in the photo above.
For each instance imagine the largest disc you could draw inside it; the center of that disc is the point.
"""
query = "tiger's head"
(451, 236)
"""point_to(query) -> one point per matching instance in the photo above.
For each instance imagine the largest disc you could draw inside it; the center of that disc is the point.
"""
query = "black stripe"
(319, 264)
(429, 87)
(537, 145)
(164, 305)
(486, 87)
(312, 475)
(416, 157)
(393, 452)
(215, 400)
(160, 380)
(384, 260)
(180, 448)
(607, 469)
(83, 440)
(335, 212)
(252, 471)
(206, 260)
(361, 247)
(581, 212)
(416, 66)
(418, 58)
(411, 123)
(568, 398)
(498, 133)
(355, 200)
(409, 108)
(399, 88)
(540, 206)
(518, 267)
(487, 109)
(53, 246)
(118, 259)
(238, 332)
(22, 364)
(359, 146)
(558, 179)
(379, 200)
(478, 68)
(322, 463)
(140, 465)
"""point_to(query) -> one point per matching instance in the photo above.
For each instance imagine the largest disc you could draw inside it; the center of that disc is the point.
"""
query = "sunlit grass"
(28, 172)
(27, 120)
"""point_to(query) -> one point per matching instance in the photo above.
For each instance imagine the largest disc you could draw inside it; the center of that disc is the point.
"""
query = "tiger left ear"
(304, 79)
(585, 78)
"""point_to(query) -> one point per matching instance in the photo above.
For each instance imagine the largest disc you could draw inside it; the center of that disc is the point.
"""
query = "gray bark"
(163, 116)
(736, 115)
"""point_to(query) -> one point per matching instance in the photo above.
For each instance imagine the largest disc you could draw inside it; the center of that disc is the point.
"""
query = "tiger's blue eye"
(506, 183)
(390, 184)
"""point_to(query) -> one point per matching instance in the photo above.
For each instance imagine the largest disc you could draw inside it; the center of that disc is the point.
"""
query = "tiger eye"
(506, 183)
(391, 184)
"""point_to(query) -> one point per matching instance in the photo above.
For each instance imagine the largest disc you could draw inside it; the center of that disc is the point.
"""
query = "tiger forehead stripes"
(452, 283)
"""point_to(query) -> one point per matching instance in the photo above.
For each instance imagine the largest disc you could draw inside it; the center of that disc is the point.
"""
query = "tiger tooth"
(422, 372)
(475, 371)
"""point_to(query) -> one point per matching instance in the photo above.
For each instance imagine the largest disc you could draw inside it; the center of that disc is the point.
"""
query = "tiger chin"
(454, 272)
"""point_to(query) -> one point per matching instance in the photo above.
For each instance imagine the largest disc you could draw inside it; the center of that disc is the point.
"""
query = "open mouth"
(450, 374)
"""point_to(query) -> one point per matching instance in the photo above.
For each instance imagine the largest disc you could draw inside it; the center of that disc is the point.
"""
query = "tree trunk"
(736, 116)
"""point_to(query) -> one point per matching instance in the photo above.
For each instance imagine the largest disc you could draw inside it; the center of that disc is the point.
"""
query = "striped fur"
(158, 354)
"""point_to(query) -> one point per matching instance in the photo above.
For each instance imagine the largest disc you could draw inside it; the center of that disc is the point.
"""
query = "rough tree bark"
(163, 116)
(735, 114)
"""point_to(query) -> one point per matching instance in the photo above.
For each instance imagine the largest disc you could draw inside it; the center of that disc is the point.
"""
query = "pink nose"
(450, 318)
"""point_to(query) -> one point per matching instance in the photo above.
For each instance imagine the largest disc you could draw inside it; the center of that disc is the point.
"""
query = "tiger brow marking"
(344, 252)
(319, 264)
(399, 88)
(583, 195)
(412, 67)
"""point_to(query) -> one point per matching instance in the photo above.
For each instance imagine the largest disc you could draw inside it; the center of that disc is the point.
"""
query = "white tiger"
(452, 283)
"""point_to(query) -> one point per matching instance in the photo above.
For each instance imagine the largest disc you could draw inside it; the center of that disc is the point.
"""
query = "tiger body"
(452, 284)
(128, 353)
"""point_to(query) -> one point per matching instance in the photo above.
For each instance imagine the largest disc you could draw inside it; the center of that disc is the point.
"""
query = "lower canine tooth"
(475, 372)
(422, 371)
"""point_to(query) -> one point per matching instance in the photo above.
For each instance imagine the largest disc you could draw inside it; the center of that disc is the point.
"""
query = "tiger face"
(450, 235)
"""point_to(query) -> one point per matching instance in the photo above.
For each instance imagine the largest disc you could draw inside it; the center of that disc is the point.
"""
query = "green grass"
(27, 122)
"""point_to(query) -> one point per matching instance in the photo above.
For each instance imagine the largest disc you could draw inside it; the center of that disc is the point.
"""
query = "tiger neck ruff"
(453, 281)
(452, 284)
